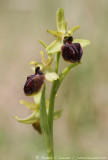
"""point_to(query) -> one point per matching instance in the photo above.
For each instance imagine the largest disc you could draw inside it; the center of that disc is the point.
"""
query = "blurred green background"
(83, 128)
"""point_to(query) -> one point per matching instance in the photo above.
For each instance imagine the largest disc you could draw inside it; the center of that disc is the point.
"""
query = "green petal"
(33, 63)
(49, 60)
(83, 42)
(28, 120)
(57, 114)
(50, 75)
(54, 47)
(60, 20)
(42, 57)
(66, 25)
(55, 33)
(42, 43)
(30, 106)
(73, 29)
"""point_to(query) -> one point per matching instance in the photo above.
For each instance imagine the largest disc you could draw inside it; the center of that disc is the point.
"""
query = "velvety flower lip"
(34, 83)
(72, 52)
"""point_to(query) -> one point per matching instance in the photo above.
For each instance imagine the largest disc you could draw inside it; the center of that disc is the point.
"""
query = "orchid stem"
(55, 86)
(52, 95)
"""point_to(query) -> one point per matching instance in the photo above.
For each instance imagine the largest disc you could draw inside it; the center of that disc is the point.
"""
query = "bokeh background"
(83, 128)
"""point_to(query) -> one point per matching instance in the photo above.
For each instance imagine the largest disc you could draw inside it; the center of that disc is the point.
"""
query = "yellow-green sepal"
(54, 47)
(83, 42)
(29, 105)
(61, 26)
(30, 119)
(55, 33)
(73, 29)
(42, 43)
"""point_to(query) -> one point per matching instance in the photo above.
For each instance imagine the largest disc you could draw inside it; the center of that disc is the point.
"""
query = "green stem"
(55, 86)
(57, 57)
(52, 96)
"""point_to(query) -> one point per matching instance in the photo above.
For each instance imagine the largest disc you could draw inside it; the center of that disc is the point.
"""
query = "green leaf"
(73, 29)
(44, 122)
(57, 114)
(54, 47)
(43, 114)
(42, 43)
(28, 120)
(50, 75)
(60, 20)
(55, 33)
(83, 42)
(30, 106)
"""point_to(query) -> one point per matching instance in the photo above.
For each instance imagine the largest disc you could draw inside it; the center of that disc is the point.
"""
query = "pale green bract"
(57, 114)
(50, 75)
(37, 98)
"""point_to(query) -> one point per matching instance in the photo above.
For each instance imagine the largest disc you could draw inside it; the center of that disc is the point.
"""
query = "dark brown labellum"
(34, 83)
(71, 52)
(37, 127)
